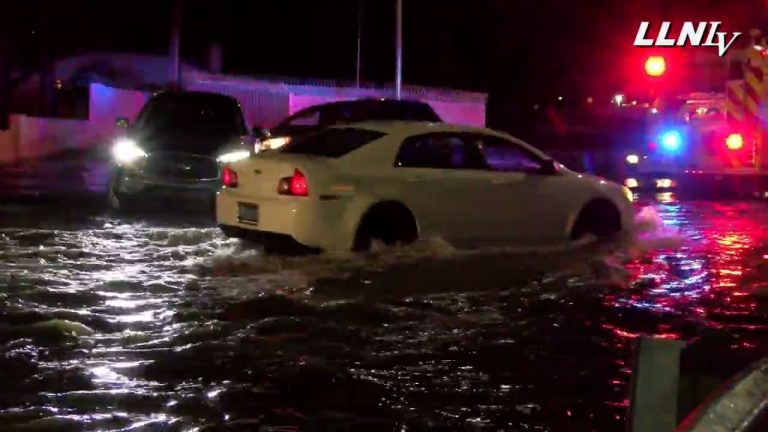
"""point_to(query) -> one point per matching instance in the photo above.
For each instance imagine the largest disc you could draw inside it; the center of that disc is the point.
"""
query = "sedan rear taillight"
(229, 177)
(296, 185)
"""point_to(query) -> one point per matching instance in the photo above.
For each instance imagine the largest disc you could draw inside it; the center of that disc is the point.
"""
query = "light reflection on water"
(707, 272)
(522, 341)
(710, 287)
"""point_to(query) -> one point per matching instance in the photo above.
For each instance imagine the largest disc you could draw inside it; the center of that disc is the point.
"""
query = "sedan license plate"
(248, 213)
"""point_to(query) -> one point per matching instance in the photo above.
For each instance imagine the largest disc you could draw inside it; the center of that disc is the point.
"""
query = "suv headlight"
(233, 156)
(126, 151)
(273, 143)
(629, 194)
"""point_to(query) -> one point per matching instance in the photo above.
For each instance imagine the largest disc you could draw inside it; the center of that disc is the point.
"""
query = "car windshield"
(193, 115)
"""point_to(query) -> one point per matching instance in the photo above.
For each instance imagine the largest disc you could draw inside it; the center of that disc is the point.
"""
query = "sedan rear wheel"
(390, 223)
(231, 231)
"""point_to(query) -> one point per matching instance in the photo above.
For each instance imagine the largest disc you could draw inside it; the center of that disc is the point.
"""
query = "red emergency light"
(734, 141)
(655, 66)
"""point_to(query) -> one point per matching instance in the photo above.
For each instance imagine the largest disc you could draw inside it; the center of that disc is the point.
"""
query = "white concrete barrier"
(38, 137)
(35, 137)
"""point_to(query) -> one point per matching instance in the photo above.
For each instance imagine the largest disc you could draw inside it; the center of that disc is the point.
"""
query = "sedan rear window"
(332, 143)
(385, 111)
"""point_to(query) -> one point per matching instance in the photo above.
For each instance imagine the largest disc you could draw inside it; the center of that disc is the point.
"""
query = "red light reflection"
(711, 280)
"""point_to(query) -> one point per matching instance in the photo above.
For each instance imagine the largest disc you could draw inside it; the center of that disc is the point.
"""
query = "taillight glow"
(296, 185)
(299, 185)
(734, 141)
(229, 177)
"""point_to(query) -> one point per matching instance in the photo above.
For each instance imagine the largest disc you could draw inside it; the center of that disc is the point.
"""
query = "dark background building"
(521, 52)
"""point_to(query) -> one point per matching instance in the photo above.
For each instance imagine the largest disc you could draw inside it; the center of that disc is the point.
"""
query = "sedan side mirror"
(549, 167)
(122, 122)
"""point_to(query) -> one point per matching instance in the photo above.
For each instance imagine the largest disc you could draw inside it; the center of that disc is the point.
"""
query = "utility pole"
(399, 50)
(47, 78)
(175, 48)
(360, 5)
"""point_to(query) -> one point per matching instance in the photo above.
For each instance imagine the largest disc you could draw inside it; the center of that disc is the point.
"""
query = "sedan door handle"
(415, 179)
(501, 181)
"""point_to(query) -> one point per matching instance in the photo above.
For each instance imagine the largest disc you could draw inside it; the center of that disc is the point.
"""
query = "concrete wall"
(267, 101)
(46, 136)
(35, 137)
(32, 137)
(9, 142)
(463, 113)
(106, 104)
(261, 108)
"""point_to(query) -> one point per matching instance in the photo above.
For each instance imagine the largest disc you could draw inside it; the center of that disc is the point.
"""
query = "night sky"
(521, 50)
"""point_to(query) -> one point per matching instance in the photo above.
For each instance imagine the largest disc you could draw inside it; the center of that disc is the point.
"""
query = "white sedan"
(394, 182)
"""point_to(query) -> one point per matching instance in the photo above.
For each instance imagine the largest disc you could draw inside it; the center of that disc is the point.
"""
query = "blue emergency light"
(671, 141)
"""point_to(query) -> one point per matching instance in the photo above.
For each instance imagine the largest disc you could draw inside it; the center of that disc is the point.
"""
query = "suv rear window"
(332, 143)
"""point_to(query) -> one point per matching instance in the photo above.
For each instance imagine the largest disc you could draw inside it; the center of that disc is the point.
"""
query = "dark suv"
(176, 147)
(319, 117)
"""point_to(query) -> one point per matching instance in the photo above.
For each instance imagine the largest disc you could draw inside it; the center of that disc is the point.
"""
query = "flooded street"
(118, 324)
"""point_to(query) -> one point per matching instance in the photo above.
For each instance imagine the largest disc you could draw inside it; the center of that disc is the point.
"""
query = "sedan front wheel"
(599, 217)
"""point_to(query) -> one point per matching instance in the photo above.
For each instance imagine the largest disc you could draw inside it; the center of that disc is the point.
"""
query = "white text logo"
(692, 34)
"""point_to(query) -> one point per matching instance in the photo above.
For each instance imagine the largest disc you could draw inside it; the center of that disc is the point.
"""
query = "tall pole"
(47, 73)
(399, 54)
(175, 51)
(359, 40)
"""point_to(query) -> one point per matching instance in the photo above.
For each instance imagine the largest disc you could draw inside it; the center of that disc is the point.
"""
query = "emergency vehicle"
(703, 141)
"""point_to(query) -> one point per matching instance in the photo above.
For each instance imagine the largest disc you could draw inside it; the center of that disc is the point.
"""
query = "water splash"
(653, 233)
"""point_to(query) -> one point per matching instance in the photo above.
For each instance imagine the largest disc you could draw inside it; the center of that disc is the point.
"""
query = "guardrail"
(740, 406)
(658, 395)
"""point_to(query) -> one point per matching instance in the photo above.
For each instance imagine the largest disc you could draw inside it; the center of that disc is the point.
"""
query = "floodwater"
(142, 325)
